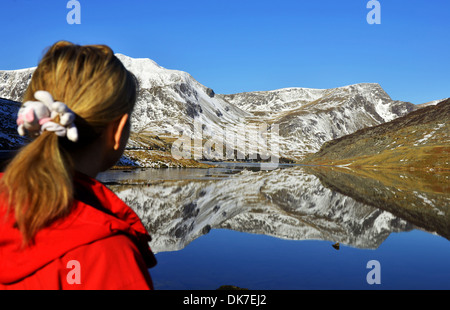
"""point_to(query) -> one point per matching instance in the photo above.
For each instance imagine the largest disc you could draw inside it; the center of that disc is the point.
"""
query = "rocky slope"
(419, 140)
(13, 83)
(309, 117)
(9, 138)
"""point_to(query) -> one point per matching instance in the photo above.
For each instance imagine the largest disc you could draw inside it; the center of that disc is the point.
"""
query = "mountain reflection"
(298, 203)
(421, 198)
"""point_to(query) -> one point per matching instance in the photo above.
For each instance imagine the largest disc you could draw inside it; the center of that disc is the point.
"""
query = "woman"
(59, 227)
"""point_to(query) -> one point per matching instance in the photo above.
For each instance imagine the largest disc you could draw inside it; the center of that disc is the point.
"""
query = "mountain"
(172, 101)
(13, 83)
(309, 117)
(177, 119)
(418, 140)
(9, 138)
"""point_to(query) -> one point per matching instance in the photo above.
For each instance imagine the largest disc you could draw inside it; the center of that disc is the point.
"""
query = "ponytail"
(39, 184)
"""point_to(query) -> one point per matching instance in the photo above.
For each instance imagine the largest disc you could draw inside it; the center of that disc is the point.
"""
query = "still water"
(280, 229)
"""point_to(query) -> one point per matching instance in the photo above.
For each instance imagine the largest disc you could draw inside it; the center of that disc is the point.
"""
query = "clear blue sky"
(246, 45)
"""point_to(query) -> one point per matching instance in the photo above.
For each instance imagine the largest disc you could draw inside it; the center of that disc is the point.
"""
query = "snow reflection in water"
(291, 203)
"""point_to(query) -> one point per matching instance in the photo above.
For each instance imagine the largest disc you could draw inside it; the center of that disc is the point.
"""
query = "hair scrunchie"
(37, 116)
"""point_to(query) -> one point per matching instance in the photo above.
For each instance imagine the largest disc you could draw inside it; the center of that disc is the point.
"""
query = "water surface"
(239, 225)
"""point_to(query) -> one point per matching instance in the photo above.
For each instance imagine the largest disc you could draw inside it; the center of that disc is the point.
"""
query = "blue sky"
(235, 46)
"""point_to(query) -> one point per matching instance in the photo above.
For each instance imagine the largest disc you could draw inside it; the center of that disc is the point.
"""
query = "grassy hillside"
(419, 140)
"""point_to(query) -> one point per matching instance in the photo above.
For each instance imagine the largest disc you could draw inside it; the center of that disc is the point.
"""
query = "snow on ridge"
(289, 99)
(19, 70)
(434, 102)
(305, 88)
(150, 73)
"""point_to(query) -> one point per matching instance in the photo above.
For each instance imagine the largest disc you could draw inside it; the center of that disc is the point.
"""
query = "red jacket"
(101, 244)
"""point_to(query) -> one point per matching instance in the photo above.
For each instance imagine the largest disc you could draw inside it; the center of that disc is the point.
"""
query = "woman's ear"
(119, 131)
(114, 140)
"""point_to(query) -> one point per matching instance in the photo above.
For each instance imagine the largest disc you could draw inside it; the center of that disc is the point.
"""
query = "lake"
(291, 228)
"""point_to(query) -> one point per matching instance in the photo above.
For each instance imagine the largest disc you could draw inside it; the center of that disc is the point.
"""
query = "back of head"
(94, 84)
(90, 80)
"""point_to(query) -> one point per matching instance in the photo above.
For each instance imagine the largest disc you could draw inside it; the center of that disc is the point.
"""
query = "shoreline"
(6, 155)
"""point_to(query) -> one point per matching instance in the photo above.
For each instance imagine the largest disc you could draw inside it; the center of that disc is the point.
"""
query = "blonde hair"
(93, 83)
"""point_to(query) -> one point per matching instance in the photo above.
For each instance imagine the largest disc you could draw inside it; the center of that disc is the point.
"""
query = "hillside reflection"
(357, 209)
(421, 198)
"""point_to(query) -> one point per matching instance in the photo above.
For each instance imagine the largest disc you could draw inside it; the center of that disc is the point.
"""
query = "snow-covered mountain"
(171, 100)
(309, 117)
(13, 83)
(287, 123)
(9, 138)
